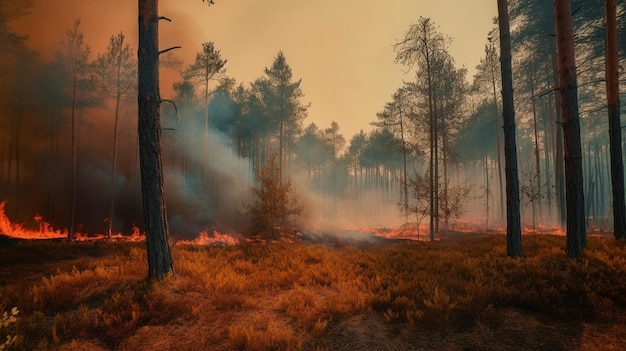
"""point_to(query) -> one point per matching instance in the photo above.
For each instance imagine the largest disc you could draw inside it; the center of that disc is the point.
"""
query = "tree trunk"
(513, 227)
(547, 145)
(432, 146)
(18, 124)
(615, 130)
(114, 161)
(576, 237)
(154, 212)
(205, 148)
(536, 194)
(405, 185)
(487, 194)
(70, 233)
(559, 170)
(498, 147)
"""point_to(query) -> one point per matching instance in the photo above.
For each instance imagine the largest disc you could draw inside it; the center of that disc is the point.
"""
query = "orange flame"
(216, 239)
(46, 231)
(18, 231)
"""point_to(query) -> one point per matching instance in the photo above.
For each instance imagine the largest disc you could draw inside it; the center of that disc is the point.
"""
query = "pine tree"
(576, 237)
(513, 223)
(276, 203)
(155, 216)
(117, 77)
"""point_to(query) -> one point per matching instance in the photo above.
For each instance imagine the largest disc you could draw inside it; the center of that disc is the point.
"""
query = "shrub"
(7, 319)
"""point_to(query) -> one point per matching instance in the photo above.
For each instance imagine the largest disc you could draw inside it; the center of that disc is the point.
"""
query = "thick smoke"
(203, 189)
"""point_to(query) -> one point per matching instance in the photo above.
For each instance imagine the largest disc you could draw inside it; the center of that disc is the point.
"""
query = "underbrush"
(290, 296)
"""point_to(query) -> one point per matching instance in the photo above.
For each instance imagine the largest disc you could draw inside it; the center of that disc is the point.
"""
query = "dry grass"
(461, 293)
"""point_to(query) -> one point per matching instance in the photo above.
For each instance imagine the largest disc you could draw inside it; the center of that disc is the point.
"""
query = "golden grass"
(461, 293)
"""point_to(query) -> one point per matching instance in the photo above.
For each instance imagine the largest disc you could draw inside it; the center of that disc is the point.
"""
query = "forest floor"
(459, 293)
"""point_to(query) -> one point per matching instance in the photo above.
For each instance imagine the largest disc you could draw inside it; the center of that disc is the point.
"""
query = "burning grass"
(460, 293)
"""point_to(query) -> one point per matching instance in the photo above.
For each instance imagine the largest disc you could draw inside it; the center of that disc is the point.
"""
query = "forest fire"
(205, 237)
(18, 231)
(46, 231)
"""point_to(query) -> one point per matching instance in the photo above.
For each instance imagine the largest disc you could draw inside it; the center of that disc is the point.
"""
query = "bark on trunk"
(576, 237)
(498, 143)
(615, 131)
(513, 225)
(114, 166)
(432, 136)
(559, 167)
(70, 233)
(154, 212)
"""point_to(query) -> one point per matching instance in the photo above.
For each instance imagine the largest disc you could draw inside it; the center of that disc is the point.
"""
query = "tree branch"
(164, 18)
(169, 49)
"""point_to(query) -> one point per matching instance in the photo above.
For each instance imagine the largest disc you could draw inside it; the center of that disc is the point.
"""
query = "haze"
(342, 50)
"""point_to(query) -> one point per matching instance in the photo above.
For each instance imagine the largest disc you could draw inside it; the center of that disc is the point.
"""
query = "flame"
(137, 235)
(18, 231)
(409, 231)
(215, 239)
(46, 231)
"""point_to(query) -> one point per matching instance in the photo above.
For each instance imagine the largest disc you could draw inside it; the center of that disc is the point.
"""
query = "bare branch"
(169, 49)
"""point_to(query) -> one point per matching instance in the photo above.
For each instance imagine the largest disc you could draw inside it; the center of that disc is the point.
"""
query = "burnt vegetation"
(461, 293)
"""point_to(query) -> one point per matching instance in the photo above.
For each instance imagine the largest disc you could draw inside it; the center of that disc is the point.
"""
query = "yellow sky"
(341, 49)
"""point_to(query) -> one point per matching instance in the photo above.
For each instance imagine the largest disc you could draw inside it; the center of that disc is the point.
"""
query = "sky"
(341, 49)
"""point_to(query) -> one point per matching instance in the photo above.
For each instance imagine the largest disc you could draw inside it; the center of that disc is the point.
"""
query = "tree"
(393, 117)
(354, 153)
(115, 72)
(576, 236)
(208, 63)
(450, 92)
(615, 131)
(534, 35)
(283, 104)
(21, 80)
(11, 10)
(487, 77)
(75, 56)
(419, 186)
(513, 228)
(155, 216)
(420, 45)
(149, 125)
(276, 202)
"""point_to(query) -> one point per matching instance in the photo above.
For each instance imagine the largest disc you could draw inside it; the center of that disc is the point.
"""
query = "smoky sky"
(343, 51)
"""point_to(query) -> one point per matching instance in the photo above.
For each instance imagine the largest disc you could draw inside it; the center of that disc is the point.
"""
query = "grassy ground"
(460, 293)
